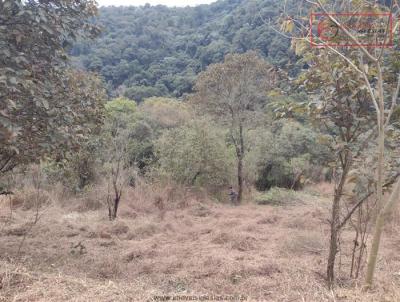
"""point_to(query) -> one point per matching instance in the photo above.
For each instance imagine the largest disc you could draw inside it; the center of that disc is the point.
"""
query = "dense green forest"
(158, 51)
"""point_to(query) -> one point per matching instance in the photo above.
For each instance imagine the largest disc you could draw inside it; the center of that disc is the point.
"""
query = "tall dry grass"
(172, 240)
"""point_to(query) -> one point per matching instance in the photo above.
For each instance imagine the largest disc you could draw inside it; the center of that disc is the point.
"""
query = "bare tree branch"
(362, 200)
(354, 39)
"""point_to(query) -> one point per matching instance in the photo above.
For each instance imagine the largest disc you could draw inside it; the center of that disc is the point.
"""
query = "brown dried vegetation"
(267, 253)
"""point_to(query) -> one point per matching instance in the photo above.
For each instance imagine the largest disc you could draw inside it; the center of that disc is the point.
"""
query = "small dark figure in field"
(233, 195)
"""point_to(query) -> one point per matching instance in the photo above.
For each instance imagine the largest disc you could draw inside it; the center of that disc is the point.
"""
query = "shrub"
(286, 156)
(277, 196)
(77, 170)
(195, 154)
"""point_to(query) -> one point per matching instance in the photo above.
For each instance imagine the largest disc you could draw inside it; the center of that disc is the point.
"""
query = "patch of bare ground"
(265, 253)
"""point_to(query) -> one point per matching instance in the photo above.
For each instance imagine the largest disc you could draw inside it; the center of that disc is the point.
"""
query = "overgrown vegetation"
(193, 110)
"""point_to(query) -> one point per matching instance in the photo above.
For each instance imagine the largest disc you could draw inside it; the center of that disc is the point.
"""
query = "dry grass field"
(189, 246)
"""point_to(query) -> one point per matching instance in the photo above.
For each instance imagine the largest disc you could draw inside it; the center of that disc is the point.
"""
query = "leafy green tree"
(74, 163)
(231, 92)
(143, 124)
(345, 114)
(373, 76)
(120, 124)
(156, 115)
(121, 112)
(119, 149)
(44, 108)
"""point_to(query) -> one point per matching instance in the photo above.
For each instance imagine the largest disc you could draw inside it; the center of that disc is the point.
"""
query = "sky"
(153, 2)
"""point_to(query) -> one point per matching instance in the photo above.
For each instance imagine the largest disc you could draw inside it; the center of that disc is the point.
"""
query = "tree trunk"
(240, 164)
(240, 179)
(110, 213)
(116, 204)
(332, 256)
(333, 241)
(117, 198)
(335, 222)
(380, 223)
(382, 210)
(381, 153)
(113, 202)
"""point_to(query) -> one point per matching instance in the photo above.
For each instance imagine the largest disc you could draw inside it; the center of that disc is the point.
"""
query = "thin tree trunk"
(335, 222)
(362, 249)
(379, 190)
(240, 180)
(353, 253)
(116, 204)
(381, 152)
(380, 223)
(333, 247)
(110, 214)
(240, 164)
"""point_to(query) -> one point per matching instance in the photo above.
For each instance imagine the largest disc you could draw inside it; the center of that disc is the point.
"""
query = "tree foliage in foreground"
(360, 74)
(45, 108)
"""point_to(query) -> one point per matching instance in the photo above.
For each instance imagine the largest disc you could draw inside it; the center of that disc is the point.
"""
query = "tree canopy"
(158, 51)
(44, 106)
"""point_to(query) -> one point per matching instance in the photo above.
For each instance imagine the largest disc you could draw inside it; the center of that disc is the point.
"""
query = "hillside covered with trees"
(158, 51)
